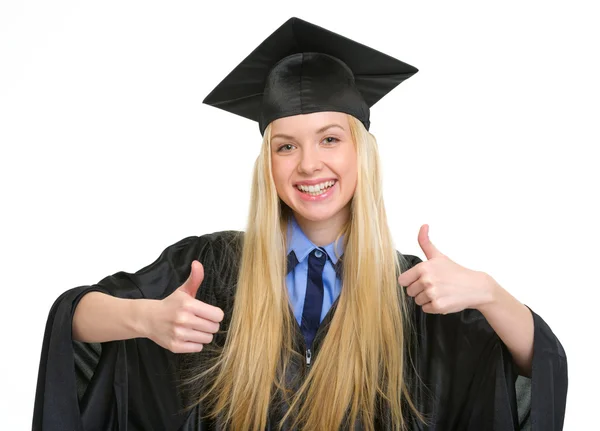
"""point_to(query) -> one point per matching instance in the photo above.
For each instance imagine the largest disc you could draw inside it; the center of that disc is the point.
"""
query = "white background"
(108, 155)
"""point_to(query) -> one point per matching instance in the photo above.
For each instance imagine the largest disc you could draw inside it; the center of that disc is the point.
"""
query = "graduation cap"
(303, 68)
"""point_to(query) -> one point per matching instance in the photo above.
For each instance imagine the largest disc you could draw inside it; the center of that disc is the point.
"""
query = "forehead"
(309, 124)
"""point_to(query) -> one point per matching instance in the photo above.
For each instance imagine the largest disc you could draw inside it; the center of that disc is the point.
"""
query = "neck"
(323, 232)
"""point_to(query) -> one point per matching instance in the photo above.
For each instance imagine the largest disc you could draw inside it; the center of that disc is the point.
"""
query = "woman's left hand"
(441, 285)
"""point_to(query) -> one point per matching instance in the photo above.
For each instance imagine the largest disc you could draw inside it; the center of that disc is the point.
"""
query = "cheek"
(280, 174)
(350, 171)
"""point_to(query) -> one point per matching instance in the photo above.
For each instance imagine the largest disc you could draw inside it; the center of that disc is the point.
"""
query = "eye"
(330, 140)
(285, 148)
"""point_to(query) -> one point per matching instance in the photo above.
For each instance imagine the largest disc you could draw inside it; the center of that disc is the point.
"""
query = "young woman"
(310, 319)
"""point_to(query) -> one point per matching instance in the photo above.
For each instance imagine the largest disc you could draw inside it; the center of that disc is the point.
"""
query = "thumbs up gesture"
(440, 285)
(180, 322)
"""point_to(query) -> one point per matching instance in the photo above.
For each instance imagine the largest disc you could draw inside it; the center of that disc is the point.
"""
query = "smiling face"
(314, 165)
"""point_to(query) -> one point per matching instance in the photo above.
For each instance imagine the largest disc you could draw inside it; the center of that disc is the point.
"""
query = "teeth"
(316, 188)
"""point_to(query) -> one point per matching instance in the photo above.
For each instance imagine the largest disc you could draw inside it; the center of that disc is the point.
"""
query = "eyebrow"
(321, 130)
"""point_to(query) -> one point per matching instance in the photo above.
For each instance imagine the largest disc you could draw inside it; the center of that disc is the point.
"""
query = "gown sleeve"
(471, 382)
(118, 385)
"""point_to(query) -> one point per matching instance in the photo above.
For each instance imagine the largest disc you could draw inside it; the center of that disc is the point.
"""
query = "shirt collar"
(302, 246)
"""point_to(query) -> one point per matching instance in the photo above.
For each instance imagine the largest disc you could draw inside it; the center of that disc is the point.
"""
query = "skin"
(302, 151)
(439, 285)
(182, 324)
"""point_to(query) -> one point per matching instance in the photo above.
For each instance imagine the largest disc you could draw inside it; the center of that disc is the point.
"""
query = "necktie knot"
(292, 261)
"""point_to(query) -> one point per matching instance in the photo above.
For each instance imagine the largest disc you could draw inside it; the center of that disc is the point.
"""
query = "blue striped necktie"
(313, 301)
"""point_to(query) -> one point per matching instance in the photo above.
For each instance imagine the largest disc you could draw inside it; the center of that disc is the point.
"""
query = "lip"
(313, 182)
(319, 198)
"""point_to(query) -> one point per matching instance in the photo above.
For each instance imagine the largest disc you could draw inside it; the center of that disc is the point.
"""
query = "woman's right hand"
(180, 322)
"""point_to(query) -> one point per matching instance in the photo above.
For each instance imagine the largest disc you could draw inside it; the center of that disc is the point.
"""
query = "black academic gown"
(467, 379)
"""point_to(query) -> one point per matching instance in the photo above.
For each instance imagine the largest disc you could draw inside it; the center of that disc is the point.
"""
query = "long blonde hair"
(359, 370)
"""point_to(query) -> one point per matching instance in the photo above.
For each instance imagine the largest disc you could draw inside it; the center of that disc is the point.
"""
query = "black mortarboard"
(302, 68)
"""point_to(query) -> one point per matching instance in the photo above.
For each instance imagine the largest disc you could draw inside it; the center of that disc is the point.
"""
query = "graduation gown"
(466, 377)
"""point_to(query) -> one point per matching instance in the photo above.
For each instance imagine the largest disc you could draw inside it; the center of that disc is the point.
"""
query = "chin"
(315, 216)
(317, 213)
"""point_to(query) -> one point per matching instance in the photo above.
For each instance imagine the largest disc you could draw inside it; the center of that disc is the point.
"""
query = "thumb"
(427, 246)
(195, 279)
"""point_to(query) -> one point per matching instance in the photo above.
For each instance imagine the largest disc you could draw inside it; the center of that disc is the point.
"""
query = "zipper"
(326, 319)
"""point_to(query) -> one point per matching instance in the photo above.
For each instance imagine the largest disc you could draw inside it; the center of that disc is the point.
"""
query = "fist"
(180, 322)
(441, 286)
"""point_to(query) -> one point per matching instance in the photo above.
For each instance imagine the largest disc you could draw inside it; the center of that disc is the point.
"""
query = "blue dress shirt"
(297, 278)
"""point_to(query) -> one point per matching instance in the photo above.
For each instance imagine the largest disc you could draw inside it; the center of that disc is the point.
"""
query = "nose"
(310, 160)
